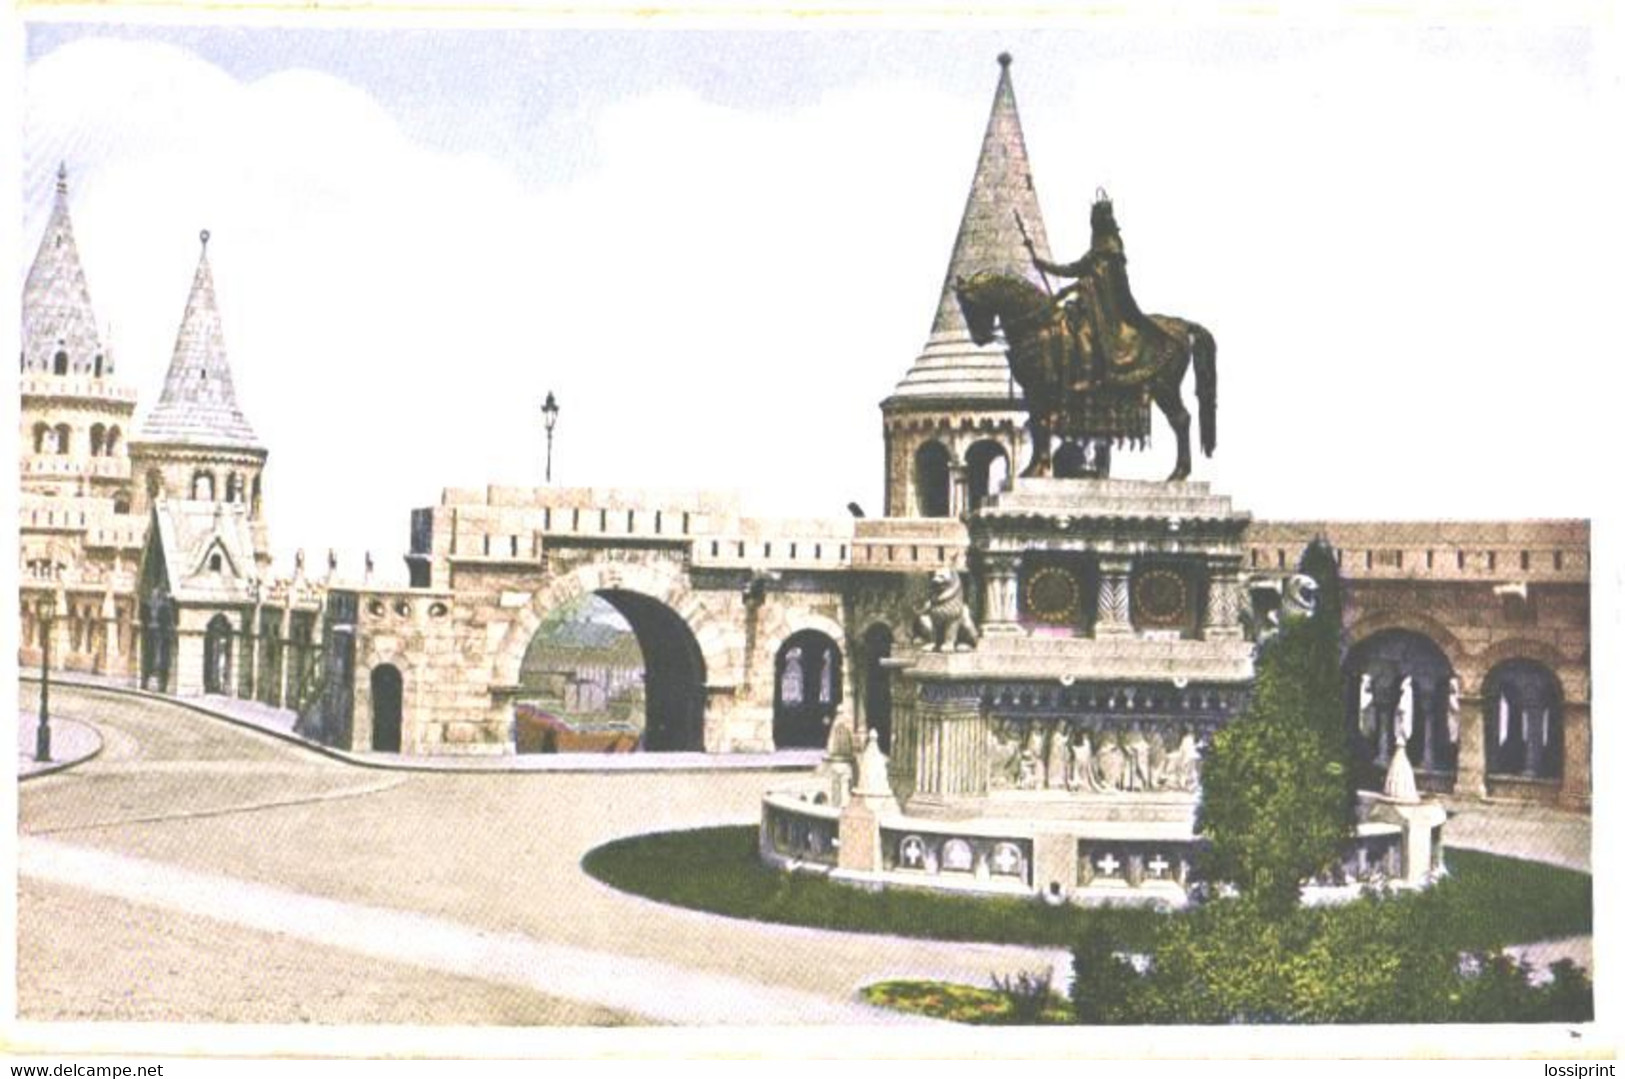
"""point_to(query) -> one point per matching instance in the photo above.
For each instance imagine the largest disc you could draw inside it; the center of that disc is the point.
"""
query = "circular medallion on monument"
(1160, 598)
(1052, 596)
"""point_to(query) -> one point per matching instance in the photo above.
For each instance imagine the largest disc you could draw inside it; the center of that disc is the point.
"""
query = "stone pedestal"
(1421, 844)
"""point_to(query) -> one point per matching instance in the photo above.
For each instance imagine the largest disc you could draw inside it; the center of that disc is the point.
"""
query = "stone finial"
(874, 780)
(1004, 59)
(62, 178)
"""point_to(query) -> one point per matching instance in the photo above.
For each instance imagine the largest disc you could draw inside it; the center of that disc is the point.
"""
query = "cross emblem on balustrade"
(1108, 865)
(1006, 859)
(1157, 865)
(913, 852)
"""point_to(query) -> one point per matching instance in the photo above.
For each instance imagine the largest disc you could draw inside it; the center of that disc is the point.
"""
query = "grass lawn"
(1494, 901)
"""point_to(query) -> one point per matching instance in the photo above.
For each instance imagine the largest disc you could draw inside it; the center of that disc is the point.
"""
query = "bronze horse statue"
(1050, 358)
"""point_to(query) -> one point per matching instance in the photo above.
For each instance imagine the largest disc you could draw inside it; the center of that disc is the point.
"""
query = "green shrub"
(1277, 785)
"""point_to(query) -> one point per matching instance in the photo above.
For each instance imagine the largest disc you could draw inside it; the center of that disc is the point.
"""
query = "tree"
(1277, 790)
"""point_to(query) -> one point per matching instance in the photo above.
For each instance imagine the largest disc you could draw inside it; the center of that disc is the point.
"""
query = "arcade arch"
(1523, 721)
(987, 470)
(807, 689)
(1374, 675)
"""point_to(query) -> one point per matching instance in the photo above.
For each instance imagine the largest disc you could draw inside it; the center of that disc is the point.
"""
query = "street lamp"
(550, 416)
(42, 735)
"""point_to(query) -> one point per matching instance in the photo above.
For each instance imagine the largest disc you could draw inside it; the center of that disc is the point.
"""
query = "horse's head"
(990, 296)
(973, 304)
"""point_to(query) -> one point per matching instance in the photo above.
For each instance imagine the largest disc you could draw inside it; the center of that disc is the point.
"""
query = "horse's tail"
(1205, 351)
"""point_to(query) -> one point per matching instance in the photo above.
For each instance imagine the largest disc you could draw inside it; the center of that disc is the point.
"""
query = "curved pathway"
(351, 895)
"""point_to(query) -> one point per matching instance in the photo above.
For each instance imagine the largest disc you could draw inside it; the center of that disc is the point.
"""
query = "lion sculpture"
(945, 623)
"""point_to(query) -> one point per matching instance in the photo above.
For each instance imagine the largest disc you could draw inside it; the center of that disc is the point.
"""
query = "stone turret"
(75, 416)
(956, 410)
(195, 444)
(75, 529)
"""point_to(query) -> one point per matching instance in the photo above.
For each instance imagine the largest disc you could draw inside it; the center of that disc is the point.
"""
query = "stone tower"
(197, 472)
(195, 445)
(79, 542)
(957, 412)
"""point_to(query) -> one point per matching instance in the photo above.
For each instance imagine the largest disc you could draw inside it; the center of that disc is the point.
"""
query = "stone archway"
(685, 651)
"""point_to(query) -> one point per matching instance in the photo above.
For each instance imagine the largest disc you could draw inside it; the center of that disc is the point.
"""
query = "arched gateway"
(675, 636)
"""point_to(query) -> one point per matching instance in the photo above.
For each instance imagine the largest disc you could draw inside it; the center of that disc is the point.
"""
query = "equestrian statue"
(1089, 362)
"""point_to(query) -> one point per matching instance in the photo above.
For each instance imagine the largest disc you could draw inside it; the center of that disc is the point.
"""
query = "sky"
(722, 249)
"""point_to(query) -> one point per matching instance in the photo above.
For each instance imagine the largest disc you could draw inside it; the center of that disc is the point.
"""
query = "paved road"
(198, 872)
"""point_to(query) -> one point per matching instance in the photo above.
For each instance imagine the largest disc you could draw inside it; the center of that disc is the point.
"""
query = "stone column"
(285, 635)
(1000, 580)
(1576, 789)
(1470, 763)
(1223, 619)
(1112, 619)
(958, 490)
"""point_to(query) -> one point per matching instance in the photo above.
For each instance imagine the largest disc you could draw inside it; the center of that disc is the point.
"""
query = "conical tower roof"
(198, 406)
(989, 239)
(57, 316)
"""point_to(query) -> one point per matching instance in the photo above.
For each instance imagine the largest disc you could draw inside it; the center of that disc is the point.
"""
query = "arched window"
(254, 498)
(1523, 721)
(43, 438)
(217, 643)
(155, 484)
(202, 486)
(121, 504)
(63, 433)
(60, 364)
(113, 436)
(987, 468)
(931, 480)
(98, 439)
(1374, 683)
(216, 562)
(234, 487)
(98, 365)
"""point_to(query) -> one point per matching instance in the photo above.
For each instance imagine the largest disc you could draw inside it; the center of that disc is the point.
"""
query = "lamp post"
(42, 734)
(550, 416)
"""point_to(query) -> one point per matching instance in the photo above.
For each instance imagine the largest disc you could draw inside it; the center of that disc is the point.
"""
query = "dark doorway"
(931, 480)
(877, 644)
(217, 655)
(806, 690)
(386, 708)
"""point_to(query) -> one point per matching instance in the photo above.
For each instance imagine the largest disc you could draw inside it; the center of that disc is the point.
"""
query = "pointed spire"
(989, 239)
(198, 405)
(57, 314)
